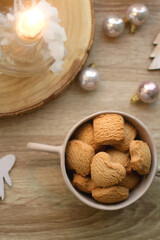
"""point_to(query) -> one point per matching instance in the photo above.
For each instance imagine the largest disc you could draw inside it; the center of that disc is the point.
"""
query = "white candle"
(30, 24)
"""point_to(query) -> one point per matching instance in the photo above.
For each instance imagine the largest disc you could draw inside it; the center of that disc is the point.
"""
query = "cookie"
(130, 181)
(129, 134)
(84, 184)
(129, 168)
(140, 157)
(117, 156)
(112, 194)
(85, 134)
(79, 156)
(108, 129)
(104, 172)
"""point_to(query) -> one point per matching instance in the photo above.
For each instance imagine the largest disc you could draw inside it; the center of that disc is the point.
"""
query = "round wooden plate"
(19, 95)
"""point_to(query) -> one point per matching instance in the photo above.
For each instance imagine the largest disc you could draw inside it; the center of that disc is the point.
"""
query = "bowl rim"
(128, 201)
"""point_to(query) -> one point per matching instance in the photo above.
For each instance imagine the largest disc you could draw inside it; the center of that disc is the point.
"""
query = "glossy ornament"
(148, 92)
(89, 78)
(137, 14)
(113, 26)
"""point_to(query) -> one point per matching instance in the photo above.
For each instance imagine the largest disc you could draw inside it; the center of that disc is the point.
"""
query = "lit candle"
(30, 24)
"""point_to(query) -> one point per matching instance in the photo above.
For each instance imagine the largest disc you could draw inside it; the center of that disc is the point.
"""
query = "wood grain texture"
(18, 95)
(39, 206)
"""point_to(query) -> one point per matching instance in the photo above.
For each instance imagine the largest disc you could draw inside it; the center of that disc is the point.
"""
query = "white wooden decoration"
(155, 65)
(6, 164)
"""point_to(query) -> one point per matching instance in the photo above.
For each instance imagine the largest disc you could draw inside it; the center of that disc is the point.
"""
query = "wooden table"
(39, 206)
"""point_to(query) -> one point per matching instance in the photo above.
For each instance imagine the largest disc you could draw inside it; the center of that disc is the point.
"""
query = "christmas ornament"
(113, 25)
(155, 55)
(148, 92)
(89, 78)
(6, 164)
(137, 14)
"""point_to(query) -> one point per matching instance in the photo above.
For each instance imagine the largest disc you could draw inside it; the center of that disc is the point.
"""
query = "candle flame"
(30, 23)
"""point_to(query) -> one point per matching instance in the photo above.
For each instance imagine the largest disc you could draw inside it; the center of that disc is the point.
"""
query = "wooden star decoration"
(155, 55)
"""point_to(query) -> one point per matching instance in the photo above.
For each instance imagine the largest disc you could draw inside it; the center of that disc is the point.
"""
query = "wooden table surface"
(39, 206)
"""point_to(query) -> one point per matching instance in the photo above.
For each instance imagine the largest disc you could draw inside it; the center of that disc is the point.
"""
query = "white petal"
(57, 50)
(10, 17)
(54, 32)
(56, 67)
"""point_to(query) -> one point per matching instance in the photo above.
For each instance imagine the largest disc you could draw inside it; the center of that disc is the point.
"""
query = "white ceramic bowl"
(135, 194)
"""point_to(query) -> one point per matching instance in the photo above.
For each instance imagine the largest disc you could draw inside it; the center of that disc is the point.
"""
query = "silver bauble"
(148, 92)
(137, 14)
(89, 79)
(113, 25)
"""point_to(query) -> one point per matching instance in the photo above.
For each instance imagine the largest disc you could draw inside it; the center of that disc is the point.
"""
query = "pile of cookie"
(106, 160)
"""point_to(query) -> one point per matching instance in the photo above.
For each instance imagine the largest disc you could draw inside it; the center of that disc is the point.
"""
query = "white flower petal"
(56, 67)
(57, 50)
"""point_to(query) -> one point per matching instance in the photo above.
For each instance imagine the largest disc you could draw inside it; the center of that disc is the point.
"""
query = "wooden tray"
(19, 95)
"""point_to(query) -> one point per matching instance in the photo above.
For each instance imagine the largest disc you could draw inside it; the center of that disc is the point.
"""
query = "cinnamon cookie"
(85, 134)
(112, 194)
(84, 184)
(104, 172)
(108, 129)
(79, 156)
(140, 157)
(129, 134)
